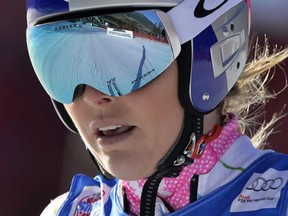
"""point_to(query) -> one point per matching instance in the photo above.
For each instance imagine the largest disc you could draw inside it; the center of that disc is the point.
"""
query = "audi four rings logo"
(262, 184)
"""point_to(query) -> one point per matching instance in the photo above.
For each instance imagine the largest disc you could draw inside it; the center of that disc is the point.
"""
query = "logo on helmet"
(201, 12)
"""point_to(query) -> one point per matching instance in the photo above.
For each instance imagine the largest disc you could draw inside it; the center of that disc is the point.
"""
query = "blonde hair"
(250, 94)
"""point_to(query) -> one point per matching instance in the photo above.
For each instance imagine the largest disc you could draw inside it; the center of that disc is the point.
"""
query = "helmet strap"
(191, 131)
(172, 164)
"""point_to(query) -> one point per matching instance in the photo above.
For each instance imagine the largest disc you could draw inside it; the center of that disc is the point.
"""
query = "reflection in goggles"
(115, 53)
(126, 25)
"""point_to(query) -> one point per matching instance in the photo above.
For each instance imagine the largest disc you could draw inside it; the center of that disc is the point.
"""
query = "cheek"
(78, 116)
(71, 109)
(161, 114)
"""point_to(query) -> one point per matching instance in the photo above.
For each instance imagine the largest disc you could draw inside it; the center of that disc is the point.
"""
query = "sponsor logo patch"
(89, 204)
(263, 190)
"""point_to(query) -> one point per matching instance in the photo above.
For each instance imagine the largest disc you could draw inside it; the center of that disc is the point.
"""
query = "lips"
(114, 130)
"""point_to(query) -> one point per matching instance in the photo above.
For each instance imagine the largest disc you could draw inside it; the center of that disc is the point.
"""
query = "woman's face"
(129, 135)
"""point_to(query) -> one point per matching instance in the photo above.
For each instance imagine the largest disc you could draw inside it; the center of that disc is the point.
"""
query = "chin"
(126, 168)
(131, 174)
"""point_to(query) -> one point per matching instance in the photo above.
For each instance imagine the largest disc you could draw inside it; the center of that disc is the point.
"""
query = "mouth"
(114, 130)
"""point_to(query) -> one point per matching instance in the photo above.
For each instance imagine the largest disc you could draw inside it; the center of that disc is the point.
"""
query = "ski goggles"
(114, 53)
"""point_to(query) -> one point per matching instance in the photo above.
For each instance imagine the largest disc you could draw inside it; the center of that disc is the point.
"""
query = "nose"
(93, 97)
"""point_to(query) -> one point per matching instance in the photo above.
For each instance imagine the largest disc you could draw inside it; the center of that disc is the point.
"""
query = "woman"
(157, 93)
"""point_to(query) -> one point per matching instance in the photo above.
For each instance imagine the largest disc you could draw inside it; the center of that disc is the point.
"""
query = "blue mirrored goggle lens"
(113, 53)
